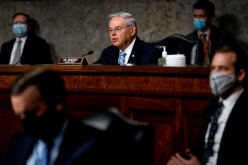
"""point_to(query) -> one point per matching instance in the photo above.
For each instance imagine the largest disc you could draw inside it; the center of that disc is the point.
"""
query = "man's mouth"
(114, 39)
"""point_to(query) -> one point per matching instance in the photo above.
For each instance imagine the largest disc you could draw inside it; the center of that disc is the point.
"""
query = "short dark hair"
(241, 56)
(205, 5)
(23, 14)
(49, 84)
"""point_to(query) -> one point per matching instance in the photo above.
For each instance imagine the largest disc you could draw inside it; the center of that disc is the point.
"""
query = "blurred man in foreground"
(53, 137)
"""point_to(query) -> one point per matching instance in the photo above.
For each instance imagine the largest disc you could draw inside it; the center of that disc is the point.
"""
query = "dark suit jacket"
(234, 141)
(35, 51)
(142, 53)
(218, 37)
(86, 145)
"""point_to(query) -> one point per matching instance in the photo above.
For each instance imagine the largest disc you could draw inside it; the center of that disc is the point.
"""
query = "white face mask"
(220, 83)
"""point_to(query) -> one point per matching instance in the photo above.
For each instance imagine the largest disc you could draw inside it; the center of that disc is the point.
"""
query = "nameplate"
(72, 61)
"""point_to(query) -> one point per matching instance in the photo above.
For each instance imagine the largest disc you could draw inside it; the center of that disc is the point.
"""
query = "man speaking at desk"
(127, 48)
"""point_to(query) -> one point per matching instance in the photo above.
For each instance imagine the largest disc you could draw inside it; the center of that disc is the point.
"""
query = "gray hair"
(129, 18)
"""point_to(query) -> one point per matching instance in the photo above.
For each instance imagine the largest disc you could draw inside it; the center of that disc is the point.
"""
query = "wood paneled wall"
(170, 98)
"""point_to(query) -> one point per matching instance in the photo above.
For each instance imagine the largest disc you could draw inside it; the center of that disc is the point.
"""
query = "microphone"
(21, 59)
(89, 53)
(18, 62)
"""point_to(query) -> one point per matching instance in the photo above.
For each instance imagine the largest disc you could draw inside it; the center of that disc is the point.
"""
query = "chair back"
(132, 140)
(179, 44)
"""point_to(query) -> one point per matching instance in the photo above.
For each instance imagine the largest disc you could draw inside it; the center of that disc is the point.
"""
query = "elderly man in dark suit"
(210, 36)
(123, 35)
(223, 138)
(26, 48)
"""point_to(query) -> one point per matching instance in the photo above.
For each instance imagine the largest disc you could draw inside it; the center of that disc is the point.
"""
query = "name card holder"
(72, 61)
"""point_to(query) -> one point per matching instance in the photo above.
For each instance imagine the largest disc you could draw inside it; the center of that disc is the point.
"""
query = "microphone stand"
(90, 52)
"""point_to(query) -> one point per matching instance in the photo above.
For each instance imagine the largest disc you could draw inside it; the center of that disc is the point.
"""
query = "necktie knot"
(220, 106)
(121, 59)
(203, 36)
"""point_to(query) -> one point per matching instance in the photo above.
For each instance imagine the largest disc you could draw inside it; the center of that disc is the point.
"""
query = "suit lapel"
(115, 55)
(78, 140)
(133, 56)
(237, 111)
(9, 48)
(26, 46)
(26, 146)
(237, 119)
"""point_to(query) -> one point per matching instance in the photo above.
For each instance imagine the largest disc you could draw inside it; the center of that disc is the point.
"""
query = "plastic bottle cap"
(164, 53)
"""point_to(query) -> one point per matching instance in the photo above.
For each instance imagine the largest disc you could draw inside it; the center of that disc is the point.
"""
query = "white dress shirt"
(228, 106)
(15, 46)
(54, 152)
(128, 51)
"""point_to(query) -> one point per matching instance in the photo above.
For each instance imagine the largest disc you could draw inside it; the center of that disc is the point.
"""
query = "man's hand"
(178, 159)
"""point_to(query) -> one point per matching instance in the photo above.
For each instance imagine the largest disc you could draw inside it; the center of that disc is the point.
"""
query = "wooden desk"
(171, 98)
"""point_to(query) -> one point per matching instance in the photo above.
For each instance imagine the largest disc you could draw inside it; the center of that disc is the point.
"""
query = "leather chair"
(179, 44)
(132, 139)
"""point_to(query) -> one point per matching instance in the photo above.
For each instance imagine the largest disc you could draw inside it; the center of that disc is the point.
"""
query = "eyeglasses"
(118, 29)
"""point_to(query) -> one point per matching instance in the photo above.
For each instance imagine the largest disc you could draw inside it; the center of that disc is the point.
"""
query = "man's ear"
(241, 75)
(133, 30)
(28, 27)
(210, 19)
(59, 107)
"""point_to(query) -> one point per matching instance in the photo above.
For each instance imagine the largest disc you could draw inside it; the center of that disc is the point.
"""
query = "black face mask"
(44, 127)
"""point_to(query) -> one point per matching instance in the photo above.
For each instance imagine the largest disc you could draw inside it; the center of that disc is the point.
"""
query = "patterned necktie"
(213, 129)
(121, 59)
(18, 53)
(205, 49)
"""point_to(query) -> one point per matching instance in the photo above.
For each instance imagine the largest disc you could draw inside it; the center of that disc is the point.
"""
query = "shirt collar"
(206, 33)
(128, 50)
(23, 39)
(232, 98)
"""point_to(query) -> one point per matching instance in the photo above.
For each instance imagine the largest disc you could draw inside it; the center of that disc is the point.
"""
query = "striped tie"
(206, 59)
(213, 129)
(121, 59)
(18, 53)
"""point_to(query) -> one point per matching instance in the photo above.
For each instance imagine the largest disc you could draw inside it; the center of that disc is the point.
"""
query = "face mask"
(43, 127)
(19, 30)
(220, 83)
(199, 24)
